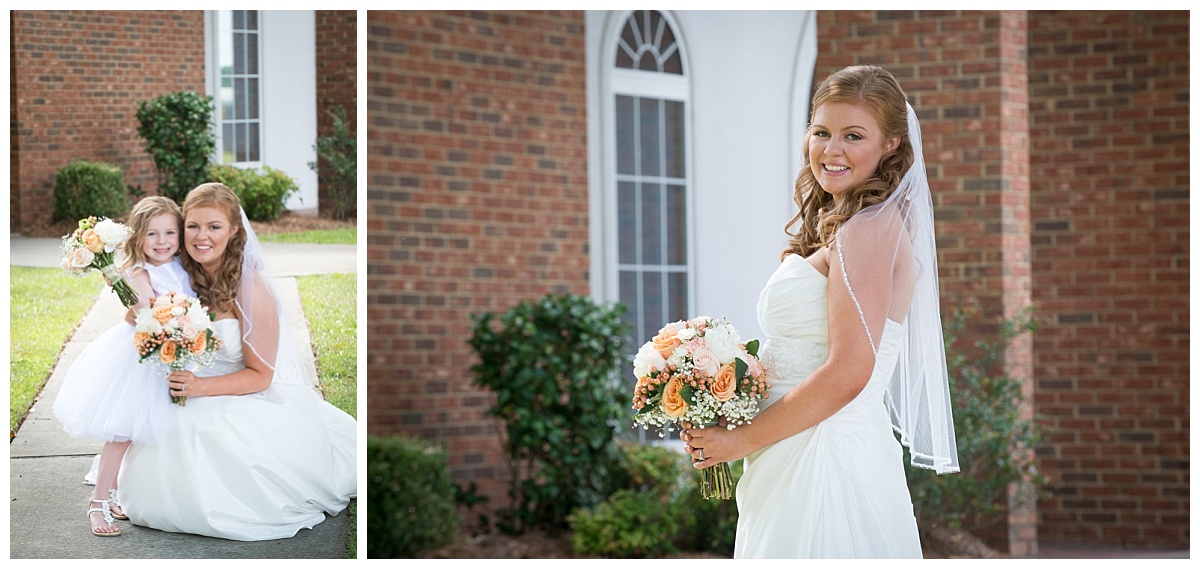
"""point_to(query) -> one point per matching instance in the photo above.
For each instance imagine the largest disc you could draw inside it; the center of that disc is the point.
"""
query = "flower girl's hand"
(131, 315)
(182, 383)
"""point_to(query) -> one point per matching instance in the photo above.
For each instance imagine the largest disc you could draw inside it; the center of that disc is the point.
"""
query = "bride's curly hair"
(217, 291)
(819, 216)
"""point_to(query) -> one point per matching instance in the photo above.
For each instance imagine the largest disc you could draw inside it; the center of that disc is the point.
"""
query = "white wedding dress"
(244, 467)
(836, 490)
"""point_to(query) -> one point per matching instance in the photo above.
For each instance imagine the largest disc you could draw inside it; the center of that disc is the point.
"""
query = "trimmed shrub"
(177, 128)
(627, 524)
(337, 165)
(82, 189)
(411, 497)
(995, 445)
(263, 196)
(552, 365)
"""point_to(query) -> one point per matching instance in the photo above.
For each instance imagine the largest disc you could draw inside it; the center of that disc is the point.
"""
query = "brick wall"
(76, 80)
(1109, 123)
(477, 186)
(964, 73)
(337, 73)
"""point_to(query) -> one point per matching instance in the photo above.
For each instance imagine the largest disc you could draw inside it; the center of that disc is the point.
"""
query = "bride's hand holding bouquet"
(699, 373)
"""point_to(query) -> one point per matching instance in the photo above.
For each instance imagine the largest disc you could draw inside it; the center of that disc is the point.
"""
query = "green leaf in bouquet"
(752, 348)
(688, 393)
(739, 368)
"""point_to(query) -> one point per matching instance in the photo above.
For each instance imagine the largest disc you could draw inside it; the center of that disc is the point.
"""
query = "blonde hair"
(218, 291)
(820, 216)
(139, 222)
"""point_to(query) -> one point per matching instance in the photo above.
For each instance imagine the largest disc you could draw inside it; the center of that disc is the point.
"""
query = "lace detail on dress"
(784, 358)
(846, 279)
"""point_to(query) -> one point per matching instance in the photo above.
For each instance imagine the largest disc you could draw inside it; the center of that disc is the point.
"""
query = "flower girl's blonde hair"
(139, 222)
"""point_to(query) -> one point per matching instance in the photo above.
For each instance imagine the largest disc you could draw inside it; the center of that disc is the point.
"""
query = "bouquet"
(175, 330)
(699, 371)
(92, 246)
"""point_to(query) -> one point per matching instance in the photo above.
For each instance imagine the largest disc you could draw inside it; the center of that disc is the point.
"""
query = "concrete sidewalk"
(46, 466)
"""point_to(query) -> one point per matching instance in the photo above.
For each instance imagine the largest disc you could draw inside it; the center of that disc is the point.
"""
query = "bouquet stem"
(120, 286)
(717, 482)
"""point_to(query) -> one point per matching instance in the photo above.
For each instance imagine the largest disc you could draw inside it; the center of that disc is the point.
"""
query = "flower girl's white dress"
(107, 395)
(245, 467)
(837, 489)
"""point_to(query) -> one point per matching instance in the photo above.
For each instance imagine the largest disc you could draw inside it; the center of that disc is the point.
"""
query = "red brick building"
(76, 78)
(1057, 144)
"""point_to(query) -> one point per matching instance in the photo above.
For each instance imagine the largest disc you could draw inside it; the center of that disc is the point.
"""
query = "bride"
(854, 347)
(256, 453)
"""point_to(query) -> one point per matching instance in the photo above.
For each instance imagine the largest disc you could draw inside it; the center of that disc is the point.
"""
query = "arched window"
(648, 180)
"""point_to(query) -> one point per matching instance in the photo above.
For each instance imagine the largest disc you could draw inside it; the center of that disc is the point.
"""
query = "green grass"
(331, 308)
(343, 236)
(45, 307)
(332, 312)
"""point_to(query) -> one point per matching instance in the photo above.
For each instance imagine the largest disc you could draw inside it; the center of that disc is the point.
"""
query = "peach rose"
(140, 338)
(81, 258)
(163, 313)
(92, 241)
(666, 344)
(672, 402)
(198, 344)
(724, 384)
(167, 352)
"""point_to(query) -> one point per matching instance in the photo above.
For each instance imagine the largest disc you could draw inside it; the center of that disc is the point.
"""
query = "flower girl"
(107, 395)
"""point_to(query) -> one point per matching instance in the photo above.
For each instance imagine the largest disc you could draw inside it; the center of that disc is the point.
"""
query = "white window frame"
(213, 86)
(616, 81)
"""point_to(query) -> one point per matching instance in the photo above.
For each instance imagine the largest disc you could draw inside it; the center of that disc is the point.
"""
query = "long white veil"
(266, 327)
(888, 261)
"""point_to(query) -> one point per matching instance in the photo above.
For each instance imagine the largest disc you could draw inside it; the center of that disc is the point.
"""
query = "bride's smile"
(206, 233)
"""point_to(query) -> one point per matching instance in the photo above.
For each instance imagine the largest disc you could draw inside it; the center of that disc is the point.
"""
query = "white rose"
(178, 311)
(80, 258)
(646, 359)
(147, 323)
(162, 300)
(198, 317)
(112, 234)
(722, 341)
(672, 328)
(686, 334)
(705, 362)
(677, 356)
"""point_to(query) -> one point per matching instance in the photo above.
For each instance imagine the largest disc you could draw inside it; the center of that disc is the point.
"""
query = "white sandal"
(112, 498)
(108, 518)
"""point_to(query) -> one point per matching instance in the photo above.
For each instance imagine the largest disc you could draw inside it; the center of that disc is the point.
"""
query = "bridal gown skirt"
(248, 468)
(836, 490)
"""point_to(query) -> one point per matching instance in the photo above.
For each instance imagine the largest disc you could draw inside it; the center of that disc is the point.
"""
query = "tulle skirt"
(248, 467)
(108, 396)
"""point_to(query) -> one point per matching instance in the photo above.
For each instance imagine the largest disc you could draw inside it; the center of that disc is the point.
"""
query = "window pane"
(676, 226)
(241, 141)
(252, 98)
(239, 53)
(251, 19)
(252, 143)
(227, 143)
(627, 224)
(677, 294)
(673, 119)
(653, 301)
(652, 230)
(252, 54)
(626, 135)
(239, 19)
(239, 99)
(628, 293)
(650, 124)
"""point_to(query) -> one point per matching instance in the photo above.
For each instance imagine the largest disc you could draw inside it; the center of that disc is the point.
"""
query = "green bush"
(263, 196)
(411, 498)
(177, 128)
(995, 445)
(552, 365)
(337, 164)
(82, 189)
(628, 524)
(661, 485)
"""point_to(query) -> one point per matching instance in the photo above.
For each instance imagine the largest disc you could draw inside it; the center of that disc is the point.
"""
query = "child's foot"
(101, 519)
